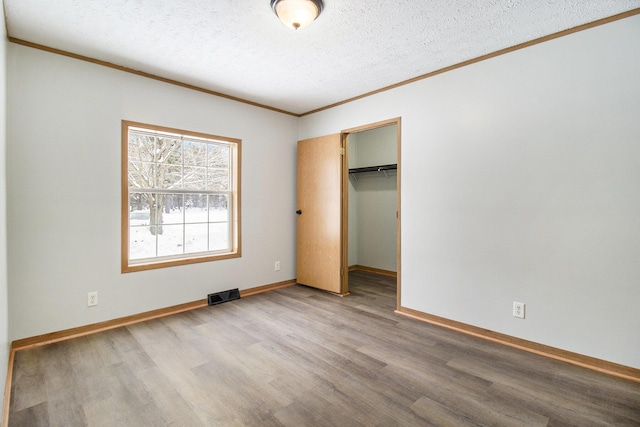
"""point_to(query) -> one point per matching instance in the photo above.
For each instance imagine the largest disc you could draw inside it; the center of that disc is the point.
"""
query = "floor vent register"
(224, 296)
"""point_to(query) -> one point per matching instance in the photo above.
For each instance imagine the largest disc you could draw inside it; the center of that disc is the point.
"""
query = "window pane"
(218, 208)
(169, 176)
(141, 243)
(168, 151)
(169, 159)
(142, 174)
(218, 180)
(155, 201)
(144, 207)
(138, 209)
(171, 209)
(195, 237)
(194, 153)
(170, 241)
(218, 236)
(195, 178)
(141, 147)
(219, 156)
(195, 208)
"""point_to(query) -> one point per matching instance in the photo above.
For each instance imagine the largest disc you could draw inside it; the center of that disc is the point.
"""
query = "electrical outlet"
(277, 266)
(92, 299)
(518, 309)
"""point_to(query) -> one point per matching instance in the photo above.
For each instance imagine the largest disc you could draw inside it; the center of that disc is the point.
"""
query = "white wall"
(64, 159)
(4, 309)
(373, 200)
(521, 182)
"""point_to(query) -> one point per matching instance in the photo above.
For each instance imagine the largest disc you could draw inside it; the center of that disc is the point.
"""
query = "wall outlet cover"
(518, 310)
(92, 299)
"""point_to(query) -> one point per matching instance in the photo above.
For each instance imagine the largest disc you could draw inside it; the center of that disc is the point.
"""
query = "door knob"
(299, 212)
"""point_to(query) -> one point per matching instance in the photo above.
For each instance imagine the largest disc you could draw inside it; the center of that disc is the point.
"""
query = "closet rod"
(380, 168)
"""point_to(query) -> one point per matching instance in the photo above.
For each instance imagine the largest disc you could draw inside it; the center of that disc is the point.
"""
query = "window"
(180, 197)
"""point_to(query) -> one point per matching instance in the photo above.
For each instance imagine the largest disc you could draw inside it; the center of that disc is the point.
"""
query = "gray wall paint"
(520, 182)
(373, 200)
(64, 192)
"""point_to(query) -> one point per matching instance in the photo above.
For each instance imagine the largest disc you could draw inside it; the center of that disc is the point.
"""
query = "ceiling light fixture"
(297, 14)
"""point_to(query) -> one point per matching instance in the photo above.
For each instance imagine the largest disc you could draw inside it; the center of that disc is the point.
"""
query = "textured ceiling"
(239, 48)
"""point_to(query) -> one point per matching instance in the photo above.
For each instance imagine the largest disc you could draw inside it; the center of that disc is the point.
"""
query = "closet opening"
(371, 233)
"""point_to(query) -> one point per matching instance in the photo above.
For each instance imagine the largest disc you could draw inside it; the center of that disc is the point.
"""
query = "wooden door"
(319, 214)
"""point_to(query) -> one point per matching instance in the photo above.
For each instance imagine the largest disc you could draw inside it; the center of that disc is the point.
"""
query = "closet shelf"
(381, 168)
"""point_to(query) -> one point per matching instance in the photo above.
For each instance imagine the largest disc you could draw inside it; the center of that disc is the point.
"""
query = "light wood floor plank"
(297, 356)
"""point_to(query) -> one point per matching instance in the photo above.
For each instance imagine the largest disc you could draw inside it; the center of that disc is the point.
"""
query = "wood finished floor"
(301, 357)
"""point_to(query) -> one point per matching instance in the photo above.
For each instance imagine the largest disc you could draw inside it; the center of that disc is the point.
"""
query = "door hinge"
(342, 151)
(341, 271)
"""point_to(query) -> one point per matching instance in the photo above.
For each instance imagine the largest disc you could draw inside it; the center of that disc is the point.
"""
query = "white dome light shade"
(297, 14)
